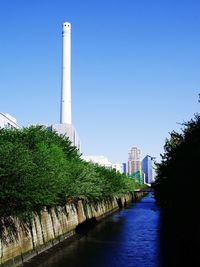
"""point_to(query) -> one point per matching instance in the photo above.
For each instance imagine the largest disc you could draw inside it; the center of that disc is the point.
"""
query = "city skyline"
(135, 69)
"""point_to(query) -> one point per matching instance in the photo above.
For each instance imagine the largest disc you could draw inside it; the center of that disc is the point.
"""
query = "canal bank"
(52, 226)
(128, 238)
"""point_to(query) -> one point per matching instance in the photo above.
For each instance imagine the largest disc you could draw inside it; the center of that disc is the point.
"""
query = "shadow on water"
(85, 226)
(180, 239)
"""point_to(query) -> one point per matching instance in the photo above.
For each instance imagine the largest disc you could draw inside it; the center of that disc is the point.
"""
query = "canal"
(130, 237)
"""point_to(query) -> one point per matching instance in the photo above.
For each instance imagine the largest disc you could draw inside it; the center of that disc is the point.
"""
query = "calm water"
(128, 238)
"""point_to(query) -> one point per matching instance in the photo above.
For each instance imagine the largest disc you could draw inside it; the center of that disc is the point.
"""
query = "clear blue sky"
(135, 68)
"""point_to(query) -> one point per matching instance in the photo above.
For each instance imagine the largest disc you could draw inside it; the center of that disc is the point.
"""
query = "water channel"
(130, 237)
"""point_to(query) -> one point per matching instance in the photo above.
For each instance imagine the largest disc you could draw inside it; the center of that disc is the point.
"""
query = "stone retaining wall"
(53, 226)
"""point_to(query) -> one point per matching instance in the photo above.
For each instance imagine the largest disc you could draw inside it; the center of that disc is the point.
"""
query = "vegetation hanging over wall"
(39, 168)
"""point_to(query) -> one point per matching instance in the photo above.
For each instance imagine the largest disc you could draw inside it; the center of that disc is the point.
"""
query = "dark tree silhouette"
(177, 190)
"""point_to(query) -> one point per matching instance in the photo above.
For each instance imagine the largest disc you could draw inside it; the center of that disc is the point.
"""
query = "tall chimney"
(65, 113)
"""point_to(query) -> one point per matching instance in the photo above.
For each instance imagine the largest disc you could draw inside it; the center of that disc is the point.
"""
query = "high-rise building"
(7, 121)
(134, 164)
(124, 168)
(147, 169)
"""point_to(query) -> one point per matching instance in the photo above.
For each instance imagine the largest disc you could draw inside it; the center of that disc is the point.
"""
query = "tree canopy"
(40, 168)
(178, 172)
(177, 191)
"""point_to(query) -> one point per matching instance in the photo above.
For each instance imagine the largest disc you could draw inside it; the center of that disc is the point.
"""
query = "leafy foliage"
(39, 168)
(178, 173)
(177, 190)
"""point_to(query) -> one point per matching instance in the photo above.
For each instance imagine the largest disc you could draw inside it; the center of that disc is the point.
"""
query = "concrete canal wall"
(53, 226)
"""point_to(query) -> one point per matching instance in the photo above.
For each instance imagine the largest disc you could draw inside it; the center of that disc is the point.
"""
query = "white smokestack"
(65, 114)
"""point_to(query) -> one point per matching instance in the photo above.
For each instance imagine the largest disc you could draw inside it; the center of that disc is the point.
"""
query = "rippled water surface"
(128, 238)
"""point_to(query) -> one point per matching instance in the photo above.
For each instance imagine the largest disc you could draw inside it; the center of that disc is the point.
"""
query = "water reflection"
(128, 238)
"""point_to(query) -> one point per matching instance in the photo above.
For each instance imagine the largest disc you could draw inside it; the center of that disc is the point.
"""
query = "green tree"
(40, 169)
(178, 171)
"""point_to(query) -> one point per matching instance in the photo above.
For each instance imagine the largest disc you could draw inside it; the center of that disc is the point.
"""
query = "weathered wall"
(52, 226)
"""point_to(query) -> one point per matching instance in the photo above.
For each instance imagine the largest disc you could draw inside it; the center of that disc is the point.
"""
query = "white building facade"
(118, 167)
(103, 161)
(98, 159)
(7, 121)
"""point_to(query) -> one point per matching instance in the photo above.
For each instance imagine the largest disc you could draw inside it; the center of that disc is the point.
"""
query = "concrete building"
(65, 127)
(67, 130)
(98, 159)
(118, 167)
(134, 164)
(7, 121)
(103, 161)
(147, 169)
